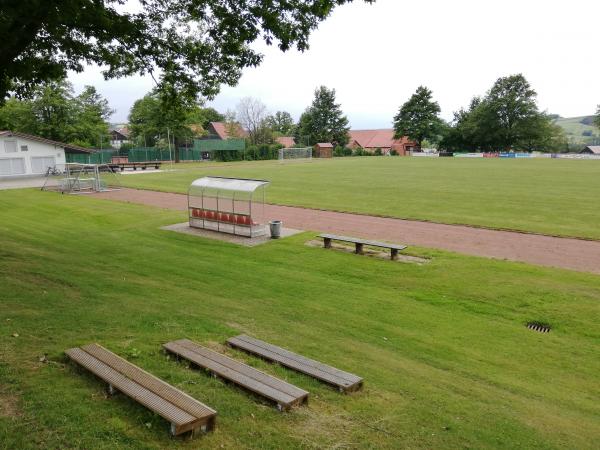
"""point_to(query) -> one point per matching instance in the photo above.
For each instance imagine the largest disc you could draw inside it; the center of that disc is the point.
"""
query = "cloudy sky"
(375, 56)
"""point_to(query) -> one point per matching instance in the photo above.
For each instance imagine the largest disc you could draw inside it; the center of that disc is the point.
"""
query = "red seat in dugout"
(228, 205)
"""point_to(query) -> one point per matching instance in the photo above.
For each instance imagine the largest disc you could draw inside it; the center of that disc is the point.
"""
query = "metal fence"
(211, 145)
(98, 157)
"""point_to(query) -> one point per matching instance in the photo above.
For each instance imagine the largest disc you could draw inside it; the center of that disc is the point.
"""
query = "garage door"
(12, 166)
(39, 164)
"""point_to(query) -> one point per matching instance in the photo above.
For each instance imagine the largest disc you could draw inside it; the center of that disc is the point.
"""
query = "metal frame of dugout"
(228, 205)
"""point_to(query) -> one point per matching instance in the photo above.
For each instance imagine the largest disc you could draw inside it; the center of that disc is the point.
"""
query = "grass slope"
(442, 347)
(574, 128)
(546, 196)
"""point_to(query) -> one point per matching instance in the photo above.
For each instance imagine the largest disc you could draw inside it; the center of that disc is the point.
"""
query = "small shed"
(591, 150)
(228, 205)
(324, 150)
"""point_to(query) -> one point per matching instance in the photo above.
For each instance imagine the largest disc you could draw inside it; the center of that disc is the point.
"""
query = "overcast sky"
(375, 56)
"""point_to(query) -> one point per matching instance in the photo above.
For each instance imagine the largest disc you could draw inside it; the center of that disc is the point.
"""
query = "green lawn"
(546, 196)
(447, 360)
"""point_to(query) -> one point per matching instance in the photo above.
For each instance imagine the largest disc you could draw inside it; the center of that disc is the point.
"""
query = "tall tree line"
(506, 118)
(53, 111)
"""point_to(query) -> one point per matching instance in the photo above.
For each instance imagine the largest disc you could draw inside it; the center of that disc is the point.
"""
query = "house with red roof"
(286, 141)
(219, 130)
(371, 140)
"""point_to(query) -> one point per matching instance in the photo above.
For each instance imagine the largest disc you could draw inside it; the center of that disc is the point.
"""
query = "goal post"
(301, 153)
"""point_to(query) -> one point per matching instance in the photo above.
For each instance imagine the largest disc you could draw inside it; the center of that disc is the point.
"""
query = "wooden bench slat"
(142, 395)
(344, 380)
(298, 358)
(362, 241)
(245, 369)
(316, 373)
(150, 382)
(239, 373)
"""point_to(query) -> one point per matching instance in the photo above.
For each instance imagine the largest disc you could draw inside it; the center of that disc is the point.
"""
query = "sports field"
(558, 197)
(447, 360)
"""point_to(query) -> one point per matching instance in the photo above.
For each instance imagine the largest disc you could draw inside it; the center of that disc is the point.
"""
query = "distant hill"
(579, 129)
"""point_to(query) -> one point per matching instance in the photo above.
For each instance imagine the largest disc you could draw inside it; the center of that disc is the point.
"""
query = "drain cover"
(539, 327)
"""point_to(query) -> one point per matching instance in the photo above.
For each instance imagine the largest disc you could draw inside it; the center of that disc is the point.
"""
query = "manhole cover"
(539, 327)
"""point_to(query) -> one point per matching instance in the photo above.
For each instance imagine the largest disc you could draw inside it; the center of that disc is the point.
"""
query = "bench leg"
(327, 242)
(359, 249)
(394, 254)
(110, 389)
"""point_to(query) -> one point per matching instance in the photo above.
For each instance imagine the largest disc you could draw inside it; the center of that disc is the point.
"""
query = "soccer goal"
(79, 178)
(288, 154)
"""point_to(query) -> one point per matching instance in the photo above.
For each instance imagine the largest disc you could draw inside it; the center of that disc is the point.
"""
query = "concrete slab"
(226, 237)
(21, 182)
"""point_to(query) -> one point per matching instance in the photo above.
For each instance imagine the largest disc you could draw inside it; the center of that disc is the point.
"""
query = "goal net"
(79, 178)
(304, 153)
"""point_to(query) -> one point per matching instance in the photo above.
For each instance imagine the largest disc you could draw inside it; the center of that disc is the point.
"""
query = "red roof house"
(371, 140)
(286, 141)
(219, 129)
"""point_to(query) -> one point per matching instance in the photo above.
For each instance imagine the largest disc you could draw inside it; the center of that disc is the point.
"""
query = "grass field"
(546, 196)
(447, 360)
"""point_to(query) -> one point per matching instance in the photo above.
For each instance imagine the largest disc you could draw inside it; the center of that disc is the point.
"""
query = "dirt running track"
(550, 251)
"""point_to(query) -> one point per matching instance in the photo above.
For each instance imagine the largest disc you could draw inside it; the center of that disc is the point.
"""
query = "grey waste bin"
(275, 226)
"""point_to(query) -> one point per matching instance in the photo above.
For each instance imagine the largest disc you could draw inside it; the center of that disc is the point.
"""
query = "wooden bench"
(134, 165)
(284, 394)
(184, 412)
(360, 243)
(344, 381)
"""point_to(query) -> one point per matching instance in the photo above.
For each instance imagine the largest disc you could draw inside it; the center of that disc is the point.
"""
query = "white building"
(24, 154)
(119, 136)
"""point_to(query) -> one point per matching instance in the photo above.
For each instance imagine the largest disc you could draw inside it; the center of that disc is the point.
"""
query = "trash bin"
(275, 226)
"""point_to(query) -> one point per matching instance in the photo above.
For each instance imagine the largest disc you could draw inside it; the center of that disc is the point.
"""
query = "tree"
(144, 120)
(209, 46)
(52, 107)
(92, 113)
(507, 118)
(509, 111)
(163, 118)
(302, 131)
(323, 121)
(210, 115)
(232, 126)
(418, 117)
(252, 115)
(281, 122)
(597, 119)
(55, 113)
(18, 115)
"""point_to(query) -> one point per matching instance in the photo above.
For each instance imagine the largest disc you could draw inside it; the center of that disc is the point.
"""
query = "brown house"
(323, 150)
(286, 141)
(220, 130)
(371, 140)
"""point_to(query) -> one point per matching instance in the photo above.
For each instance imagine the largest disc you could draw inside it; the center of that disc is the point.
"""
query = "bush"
(394, 152)
(378, 152)
(342, 151)
(125, 147)
(360, 152)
